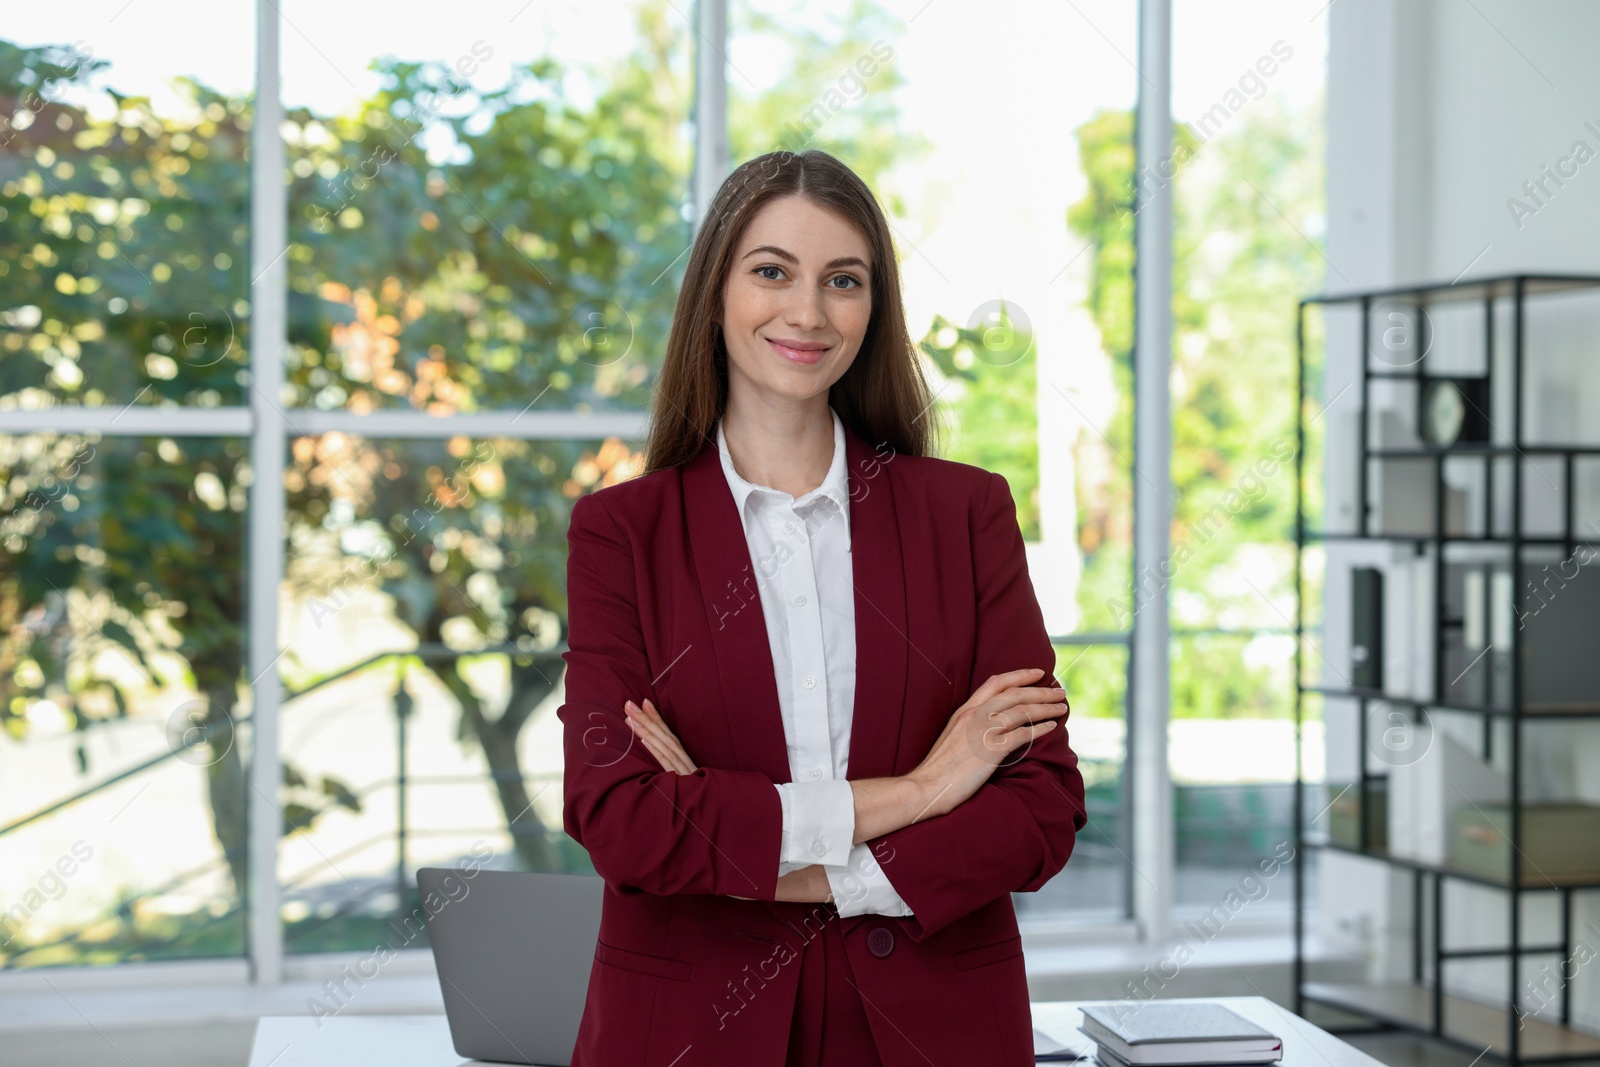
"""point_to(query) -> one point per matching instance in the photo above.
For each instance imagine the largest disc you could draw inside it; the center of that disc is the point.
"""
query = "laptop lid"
(513, 951)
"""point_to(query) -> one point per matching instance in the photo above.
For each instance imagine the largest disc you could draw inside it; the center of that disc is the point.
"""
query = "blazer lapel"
(732, 604)
(882, 639)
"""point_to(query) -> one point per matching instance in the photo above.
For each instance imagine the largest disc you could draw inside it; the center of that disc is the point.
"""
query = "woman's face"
(796, 301)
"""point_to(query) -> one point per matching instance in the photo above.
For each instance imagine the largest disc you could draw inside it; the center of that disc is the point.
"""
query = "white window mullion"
(526, 425)
(131, 421)
(269, 274)
(710, 103)
(1152, 829)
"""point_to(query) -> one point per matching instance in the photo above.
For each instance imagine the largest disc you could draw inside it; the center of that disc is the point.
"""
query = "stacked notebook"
(1175, 1034)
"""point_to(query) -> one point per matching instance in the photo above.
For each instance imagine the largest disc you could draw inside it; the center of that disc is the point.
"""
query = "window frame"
(1146, 789)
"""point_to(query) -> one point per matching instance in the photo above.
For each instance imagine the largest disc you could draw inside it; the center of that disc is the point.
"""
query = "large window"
(124, 465)
(317, 482)
(485, 225)
(478, 265)
(1248, 231)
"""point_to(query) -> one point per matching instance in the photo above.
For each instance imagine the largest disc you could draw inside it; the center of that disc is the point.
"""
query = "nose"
(804, 310)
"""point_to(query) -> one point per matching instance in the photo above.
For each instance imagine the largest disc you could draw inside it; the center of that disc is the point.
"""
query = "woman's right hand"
(1002, 717)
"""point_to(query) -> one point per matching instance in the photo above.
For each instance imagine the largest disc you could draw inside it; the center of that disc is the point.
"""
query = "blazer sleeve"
(645, 828)
(1016, 832)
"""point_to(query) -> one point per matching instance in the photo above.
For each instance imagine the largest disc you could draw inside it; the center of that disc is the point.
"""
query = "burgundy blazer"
(663, 604)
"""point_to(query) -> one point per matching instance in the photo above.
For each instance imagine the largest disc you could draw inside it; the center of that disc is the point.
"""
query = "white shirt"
(801, 552)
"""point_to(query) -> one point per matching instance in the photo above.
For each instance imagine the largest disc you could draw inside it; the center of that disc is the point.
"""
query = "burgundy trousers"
(830, 1026)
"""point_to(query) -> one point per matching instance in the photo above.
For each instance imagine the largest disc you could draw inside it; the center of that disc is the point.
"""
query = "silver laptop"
(513, 951)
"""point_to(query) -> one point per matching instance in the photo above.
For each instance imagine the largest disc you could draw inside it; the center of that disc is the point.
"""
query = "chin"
(791, 386)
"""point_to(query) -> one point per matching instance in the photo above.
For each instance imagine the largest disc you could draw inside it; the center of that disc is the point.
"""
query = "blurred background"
(316, 319)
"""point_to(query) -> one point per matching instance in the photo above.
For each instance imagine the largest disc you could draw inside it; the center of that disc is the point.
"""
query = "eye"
(855, 283)
(766, 267)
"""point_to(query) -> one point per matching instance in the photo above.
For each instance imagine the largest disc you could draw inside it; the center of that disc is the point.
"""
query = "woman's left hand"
(651, 729)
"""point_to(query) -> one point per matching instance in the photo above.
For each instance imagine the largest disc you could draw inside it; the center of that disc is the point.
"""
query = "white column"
(710, 103)
(1152, 788)
(264, 544)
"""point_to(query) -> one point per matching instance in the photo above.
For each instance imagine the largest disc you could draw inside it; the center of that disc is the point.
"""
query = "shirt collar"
(834, 485)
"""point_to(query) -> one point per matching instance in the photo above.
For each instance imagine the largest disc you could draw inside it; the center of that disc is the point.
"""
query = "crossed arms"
(995, 808)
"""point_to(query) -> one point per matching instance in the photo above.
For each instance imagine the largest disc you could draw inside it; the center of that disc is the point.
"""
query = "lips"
(804, 352)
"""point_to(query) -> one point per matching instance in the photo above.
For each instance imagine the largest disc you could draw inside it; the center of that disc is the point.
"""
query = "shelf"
(1481, 451)
(1533, 711)
(1434, 537)
(1449, 539)
(1466, 289)
(1468, 1023)
(1535, 882)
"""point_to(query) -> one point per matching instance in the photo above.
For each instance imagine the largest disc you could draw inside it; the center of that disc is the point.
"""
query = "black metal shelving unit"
(1421, 1005)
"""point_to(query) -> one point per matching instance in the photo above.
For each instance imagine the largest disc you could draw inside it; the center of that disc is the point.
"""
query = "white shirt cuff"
(861, 888)
(819, 821)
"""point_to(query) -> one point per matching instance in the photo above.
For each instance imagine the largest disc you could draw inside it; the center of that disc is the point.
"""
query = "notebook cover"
(1142, 1022)
(1201, 1054)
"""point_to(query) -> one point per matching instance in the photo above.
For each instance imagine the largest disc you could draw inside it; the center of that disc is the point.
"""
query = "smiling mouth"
(798, 355)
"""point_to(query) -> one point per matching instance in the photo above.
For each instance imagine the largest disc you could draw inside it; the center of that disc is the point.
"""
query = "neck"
(786, 445)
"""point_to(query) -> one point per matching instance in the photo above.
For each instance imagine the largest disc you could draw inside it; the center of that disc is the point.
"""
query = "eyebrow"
(841, 261)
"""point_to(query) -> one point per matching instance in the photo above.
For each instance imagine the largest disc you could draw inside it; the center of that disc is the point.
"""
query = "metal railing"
(1101, 846)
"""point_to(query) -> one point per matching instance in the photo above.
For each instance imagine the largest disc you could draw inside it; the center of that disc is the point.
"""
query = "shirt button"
(815, 773)
(800, 601)
(819, 849)
(810, 682)
(788, 527)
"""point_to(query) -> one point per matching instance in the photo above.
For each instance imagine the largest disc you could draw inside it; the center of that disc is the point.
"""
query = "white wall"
(1438, 112)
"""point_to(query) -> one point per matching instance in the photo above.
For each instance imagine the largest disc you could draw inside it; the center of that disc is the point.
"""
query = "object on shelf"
(1366, 628)
(1142, 1033)
(1401, 498)
(1477, 648)
(1344, 815)
(1389, 430)
(1454, 411)
(1436, 774)
(1560, 842)
(1408, 617)
(1544, 496)
(1558, 605)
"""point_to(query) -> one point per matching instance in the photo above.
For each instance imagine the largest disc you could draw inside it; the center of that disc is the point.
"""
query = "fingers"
(655, 735)
(1002, 742)
(648, 723)
(1032, 695)
(668, 759)
(1015, 707)
(998, 683)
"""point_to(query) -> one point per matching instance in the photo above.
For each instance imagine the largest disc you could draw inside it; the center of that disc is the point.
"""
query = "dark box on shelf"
(1344, 815)
(1559, 841)
(1553, 613)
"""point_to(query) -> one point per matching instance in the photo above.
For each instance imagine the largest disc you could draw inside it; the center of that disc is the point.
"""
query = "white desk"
(424, 1040)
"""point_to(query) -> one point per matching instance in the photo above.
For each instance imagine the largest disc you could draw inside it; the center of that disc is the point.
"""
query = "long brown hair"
(883, 397)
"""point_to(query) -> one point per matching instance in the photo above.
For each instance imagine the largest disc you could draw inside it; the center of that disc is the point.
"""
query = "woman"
(808, 829)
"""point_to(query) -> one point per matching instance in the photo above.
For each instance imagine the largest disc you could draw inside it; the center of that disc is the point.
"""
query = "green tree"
(994, 368)
(1238, 268)
(536, 270)
(835, 92)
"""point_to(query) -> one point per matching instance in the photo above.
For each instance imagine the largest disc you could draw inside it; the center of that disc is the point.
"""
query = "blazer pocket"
(998, 952)
(642, 963)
